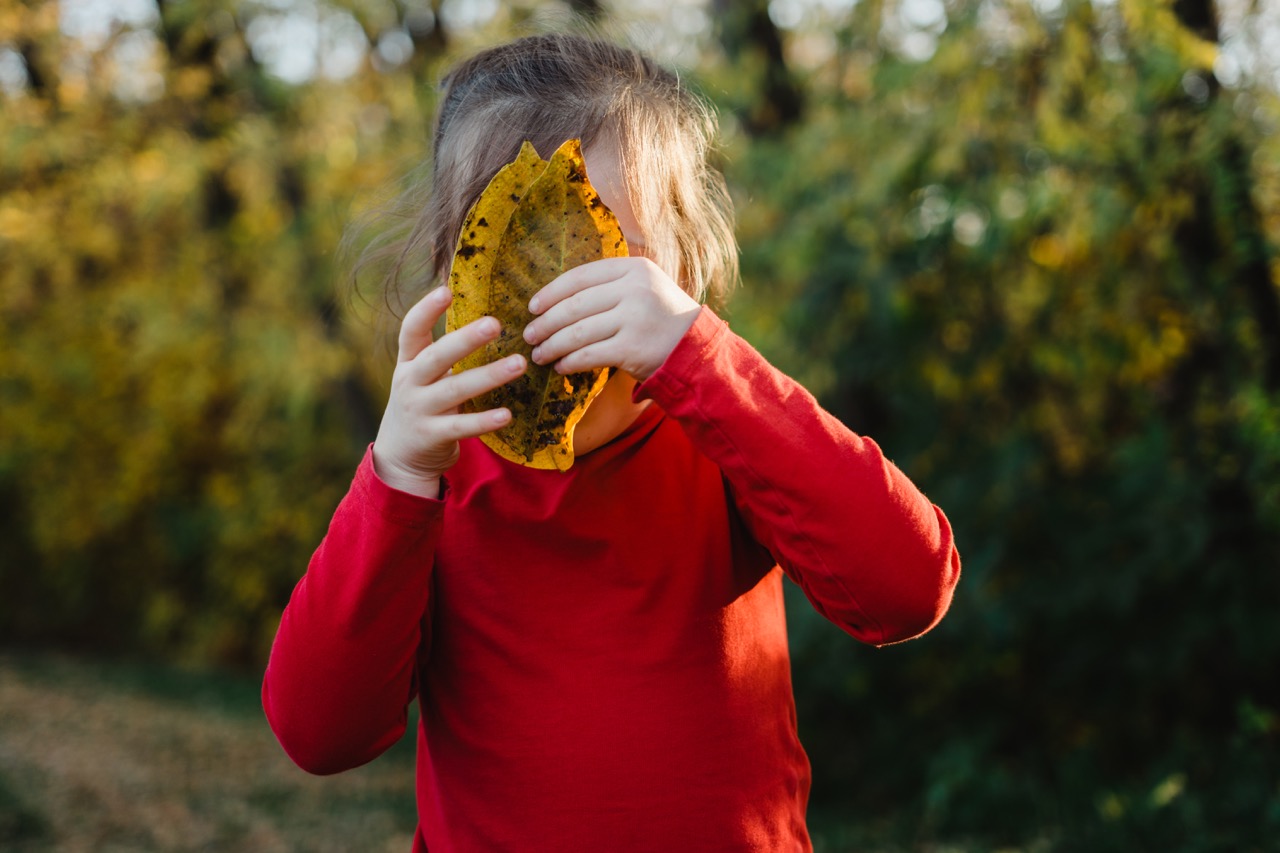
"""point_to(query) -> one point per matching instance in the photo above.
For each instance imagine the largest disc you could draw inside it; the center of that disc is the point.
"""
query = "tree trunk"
(748, 33)
(1247, 246)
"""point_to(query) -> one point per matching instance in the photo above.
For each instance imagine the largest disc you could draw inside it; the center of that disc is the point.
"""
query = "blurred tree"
(1226, 197)
(748, 35)
(179, 402)
(590, 10)
(1033, 267)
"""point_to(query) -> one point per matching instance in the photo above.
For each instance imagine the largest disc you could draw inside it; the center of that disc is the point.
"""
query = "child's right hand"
(418, 439)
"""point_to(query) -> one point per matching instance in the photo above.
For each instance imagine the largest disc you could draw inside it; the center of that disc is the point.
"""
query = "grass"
(109, 756)
(118, 757)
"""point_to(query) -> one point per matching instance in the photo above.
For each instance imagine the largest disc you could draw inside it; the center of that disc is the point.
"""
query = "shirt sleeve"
(343, 667)
(870, 551)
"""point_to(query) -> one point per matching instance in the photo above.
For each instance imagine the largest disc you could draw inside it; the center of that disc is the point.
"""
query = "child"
(599, 655)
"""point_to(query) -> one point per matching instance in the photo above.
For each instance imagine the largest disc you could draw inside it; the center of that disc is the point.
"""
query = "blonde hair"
(546, 89)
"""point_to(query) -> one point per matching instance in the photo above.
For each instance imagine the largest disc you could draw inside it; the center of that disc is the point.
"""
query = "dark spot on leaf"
(521, 394)
(466, 250)
(560, 409)
(482, 222)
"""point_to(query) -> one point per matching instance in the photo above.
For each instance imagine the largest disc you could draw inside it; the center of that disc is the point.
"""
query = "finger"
(579, 278)
(571, 309)
(589, 330)
(439, 358)
(453, 391)
(471, 424)
(415, 329)
(600, 354)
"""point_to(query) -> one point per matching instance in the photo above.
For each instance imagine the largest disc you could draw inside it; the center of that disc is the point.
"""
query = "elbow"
(321, 765)
(317, 746)
(312, 755)
(897, 603)
(913, 619)
(924, 602)
(302, 741)
(317, 762)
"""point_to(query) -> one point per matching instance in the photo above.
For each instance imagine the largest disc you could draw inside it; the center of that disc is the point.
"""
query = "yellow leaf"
(481, 236)
(534, 221)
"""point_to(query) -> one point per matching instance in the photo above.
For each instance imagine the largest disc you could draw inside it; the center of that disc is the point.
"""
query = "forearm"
(868, 548)
(342, 668)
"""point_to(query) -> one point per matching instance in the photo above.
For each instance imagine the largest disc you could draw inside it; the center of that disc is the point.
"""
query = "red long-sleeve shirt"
(600, 655)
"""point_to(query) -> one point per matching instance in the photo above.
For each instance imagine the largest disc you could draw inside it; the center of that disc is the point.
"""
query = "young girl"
(599, 655)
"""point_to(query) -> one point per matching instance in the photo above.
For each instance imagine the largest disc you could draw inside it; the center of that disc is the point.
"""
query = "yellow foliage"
(180, 398)
(1048, 251)
(1156, 21)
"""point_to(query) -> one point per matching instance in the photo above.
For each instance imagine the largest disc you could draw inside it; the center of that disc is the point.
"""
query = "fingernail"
(536, 355)
(515, 362)
(534, 305)
(500, 416)
(528, 334)
(492, 326)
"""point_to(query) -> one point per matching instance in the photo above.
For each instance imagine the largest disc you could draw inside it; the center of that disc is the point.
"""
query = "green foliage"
(1040, 278)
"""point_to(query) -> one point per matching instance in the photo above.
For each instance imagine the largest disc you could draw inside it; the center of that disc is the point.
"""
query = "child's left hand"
(616, 312)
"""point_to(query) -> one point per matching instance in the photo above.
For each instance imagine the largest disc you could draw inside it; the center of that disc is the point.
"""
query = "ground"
(112, 757)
